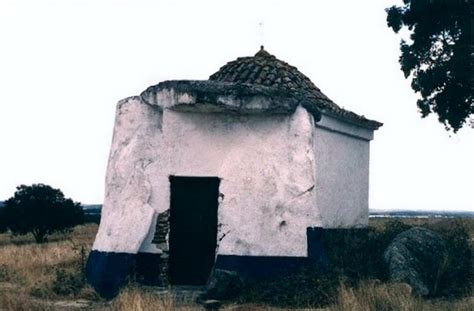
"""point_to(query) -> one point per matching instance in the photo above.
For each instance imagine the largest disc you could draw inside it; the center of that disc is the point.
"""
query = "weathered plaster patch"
(128, 189)
(258, 159)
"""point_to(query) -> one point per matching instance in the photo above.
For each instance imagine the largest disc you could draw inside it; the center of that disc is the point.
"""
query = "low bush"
(355, 257)
(458, 272)
(41, 288)
(309, 287)
(4, 274)
(67, 283)
(357, 254)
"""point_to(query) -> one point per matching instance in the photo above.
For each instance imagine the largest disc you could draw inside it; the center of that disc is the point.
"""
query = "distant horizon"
(370, 209)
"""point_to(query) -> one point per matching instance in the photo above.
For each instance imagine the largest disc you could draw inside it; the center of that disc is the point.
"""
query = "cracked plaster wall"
(266, 164)
(127, 213)
(280, 173)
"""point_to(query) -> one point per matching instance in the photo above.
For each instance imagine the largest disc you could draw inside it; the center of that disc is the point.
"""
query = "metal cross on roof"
(260, 31)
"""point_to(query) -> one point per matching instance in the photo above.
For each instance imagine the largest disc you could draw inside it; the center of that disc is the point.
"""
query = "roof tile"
(265, 69)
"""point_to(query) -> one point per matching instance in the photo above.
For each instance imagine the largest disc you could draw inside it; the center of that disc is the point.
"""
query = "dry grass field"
(49, 277)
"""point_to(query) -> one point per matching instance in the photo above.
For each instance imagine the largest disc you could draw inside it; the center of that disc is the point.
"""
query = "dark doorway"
(193, 229)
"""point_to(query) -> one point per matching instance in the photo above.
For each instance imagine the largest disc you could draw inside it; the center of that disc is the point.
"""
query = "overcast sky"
(65, 64)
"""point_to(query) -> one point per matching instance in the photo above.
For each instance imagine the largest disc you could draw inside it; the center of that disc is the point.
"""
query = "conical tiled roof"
(265, 69)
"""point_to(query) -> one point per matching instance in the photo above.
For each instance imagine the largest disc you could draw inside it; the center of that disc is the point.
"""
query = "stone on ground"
(416, 257)
(223, 284)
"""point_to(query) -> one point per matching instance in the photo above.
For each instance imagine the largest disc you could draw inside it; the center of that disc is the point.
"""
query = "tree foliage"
(41, 210)
(3, 223)
(437, 56)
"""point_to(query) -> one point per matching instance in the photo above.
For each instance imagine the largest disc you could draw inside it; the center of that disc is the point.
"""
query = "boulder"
(223, 284)
(416, 257)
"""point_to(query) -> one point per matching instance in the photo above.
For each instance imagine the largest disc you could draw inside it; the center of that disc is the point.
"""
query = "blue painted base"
(261, 268)
(107, 272)
(316, 250)
(147, 269)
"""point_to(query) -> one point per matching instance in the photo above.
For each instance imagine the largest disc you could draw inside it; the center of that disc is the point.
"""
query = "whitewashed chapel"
(238, 172)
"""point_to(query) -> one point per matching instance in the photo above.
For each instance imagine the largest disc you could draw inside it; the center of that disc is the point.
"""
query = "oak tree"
(437, 56)
(41, 210)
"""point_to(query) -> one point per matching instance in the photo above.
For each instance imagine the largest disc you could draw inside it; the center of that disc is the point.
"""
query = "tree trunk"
(39, 235)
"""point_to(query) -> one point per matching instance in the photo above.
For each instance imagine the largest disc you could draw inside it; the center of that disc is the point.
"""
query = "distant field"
(467, 222)
(419, 214)
(95, 209)
(49, 277)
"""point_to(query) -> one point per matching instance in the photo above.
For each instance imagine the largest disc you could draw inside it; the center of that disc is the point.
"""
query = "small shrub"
(88, 293)
(309, 287)
(354, 255)
(3, 219)
(357, 254)
(4, 274)
(393, 228)
(41, 289)
(458, 274)
(67, 283)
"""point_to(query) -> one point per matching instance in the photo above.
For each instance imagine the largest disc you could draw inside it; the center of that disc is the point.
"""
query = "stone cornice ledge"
(212, 96)
(333, 124)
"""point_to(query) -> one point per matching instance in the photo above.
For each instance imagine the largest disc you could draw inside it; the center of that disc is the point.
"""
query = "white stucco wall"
(342, 173)
(127, 214)
(280, 173)
(266, 165)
